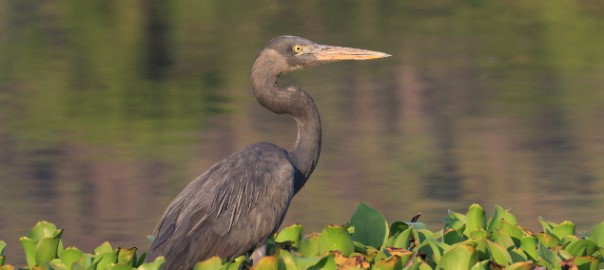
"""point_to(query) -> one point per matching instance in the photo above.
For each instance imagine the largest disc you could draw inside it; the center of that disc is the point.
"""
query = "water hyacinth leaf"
(499, 254)
(7, 267)
(587, 263)
(419, 264)
(482, 265)
(29, 246)
(455, 220)
(502, 239)
(401, 239)
(126, 255)
(476, 219)
(597, 234)
(292, 234)
(518, 255)
(2, 260)
(420, 235)
(459, 257)
(105, 260)
(549, 257)
(236, 264)
(520, 266)
(529, 246)
(327, 263)
(57, 264)
(392, 263)
(304, 263)
(451, 236)
(547, 239)
(478, 234)
(286, 260)
(397, 227)
(309, 245)
(103, 248)
(155, 264)
(563, 229)
(510, 229)
(268, 263)
(208, 264)
(47, 248)
(2, 247)
(402, 253)
(120, 266)
(71, 256)
(433, 249)
(585, 247)
(42, 229)
(370, 226)
(335, 237)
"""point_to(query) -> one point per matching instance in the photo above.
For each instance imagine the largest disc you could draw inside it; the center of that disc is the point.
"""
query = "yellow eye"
(297, 48)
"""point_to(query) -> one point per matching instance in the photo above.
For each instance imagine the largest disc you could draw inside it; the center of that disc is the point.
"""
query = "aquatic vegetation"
(466, 241)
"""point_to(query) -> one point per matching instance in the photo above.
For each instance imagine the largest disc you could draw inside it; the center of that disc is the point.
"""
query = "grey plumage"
(240, 201)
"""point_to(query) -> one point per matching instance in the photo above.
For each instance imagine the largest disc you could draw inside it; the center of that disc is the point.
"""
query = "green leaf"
(236, 264)
(585, 247)
(529, 246)
(309, 245)
(209, 264)
(433, 249)
(392, 263)
(57, 264)
(502, 239)
(126, 256)
(327, 263)
(563, 229)
(521, 266)
(498, 253)
(397, 227)
(475, 219)
(512, 230)
(499, 215)
(71, 256)
(518, 255)
(370, 227)
(47, 248)
(42, 229)
(103, 248)
(29, 246)
(335, 237)
(587, 263)
(105, 260)
(2, 246)
(548, 256)
(292, 234)
(459, 257)
(547, 239)
(419, 264)
(482, 265)
(154, 265)
(401, 239)
(455, 220)
(452, 236)
(597, 234)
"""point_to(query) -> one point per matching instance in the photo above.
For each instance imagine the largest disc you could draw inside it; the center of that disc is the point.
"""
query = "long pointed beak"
(335, 53)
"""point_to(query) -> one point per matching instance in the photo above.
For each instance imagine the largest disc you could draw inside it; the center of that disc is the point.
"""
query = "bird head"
(288, 53)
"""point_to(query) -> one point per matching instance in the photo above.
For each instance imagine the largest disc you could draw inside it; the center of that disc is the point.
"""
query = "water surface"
(107, 110)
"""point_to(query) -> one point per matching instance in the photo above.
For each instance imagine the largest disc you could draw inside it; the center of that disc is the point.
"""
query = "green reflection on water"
(104, 105)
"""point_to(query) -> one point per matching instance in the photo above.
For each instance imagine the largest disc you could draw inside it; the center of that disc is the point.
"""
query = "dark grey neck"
(294, 101)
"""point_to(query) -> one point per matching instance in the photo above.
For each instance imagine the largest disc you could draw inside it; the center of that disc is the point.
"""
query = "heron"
(233, 207)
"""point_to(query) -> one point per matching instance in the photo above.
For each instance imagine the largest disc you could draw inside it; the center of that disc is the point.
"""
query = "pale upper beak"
(336, 53)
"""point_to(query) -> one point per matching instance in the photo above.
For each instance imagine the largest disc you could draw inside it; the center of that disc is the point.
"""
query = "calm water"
(107, 110)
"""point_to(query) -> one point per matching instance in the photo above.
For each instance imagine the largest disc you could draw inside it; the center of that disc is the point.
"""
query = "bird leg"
(258, 253)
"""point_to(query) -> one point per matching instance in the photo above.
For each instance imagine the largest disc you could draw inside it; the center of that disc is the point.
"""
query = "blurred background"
(109, 108)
